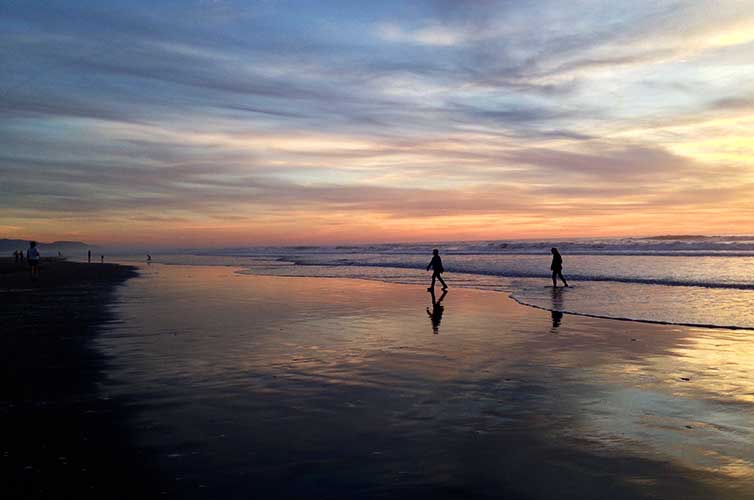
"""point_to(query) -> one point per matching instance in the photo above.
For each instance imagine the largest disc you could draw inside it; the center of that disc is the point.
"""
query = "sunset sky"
(219, 123)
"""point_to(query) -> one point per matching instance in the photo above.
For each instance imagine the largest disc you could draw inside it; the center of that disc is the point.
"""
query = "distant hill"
(65, 247)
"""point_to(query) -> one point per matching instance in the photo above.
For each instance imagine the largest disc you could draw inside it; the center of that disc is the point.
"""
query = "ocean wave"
(575, 277)
(661, 245)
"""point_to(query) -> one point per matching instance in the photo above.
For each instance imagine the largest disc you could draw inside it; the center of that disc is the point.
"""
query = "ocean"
(687, 280)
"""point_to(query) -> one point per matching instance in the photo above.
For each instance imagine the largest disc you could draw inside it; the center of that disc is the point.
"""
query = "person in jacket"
(436, 265)
(32, 257)
(557, 267)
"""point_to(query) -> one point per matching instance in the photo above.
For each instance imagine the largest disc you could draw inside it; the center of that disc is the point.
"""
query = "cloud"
(412, 112)
(735, 103)
(609, 161)
(433, 34)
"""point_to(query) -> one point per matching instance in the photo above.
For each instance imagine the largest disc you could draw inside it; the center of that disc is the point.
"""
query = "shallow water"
(713, 288)
(286, 387)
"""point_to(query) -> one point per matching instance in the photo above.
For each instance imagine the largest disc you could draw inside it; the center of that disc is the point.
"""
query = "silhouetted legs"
(436, 275)
(558, 274)
(34, 269)
(435, 315)
(557, 303)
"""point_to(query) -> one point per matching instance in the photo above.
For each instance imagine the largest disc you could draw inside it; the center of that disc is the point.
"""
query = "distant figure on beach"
(435, 315)
(32, 256)
(557, 267)
(89, 256)
(436, 265)
(21, 256)
(15, 256)
(101, 259)
(149, 259)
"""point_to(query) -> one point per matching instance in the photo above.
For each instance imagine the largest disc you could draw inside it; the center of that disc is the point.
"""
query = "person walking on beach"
(436, 265)
(32, 256)
(89, 256)
(101, 259)
(557, 267)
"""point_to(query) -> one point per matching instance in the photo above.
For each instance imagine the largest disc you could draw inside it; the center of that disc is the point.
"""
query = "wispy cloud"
(433, 34)
(373, 119)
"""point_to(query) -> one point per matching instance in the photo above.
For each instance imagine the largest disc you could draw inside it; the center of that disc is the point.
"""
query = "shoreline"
(629, 320)
(61, 438)
(508, 294)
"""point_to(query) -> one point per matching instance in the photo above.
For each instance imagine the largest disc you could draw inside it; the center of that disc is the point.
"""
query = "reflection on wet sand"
(557, 306)
(557, 317)
(435, 314)
(285, 386)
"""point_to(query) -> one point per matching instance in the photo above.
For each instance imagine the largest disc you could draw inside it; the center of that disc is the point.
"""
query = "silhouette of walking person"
(557, 267)
(89, 256)
(32, 257)
(435, 315)
(436, 265)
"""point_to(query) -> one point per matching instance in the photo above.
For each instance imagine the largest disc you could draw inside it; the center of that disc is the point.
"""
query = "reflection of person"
(557, 307)
(557, 267)
(435, 315)
(557, 316)
(32, 256)
(436, 265)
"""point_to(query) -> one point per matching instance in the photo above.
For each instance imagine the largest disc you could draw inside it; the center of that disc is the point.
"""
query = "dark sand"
(212, 384)
(59, 438)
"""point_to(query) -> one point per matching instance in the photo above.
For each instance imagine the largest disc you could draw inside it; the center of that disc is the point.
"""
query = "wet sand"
(60, 438)
(242, 386)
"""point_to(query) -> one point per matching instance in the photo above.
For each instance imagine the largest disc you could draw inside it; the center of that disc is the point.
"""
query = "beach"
(238, 208)
(60, 437)
(217, 384)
